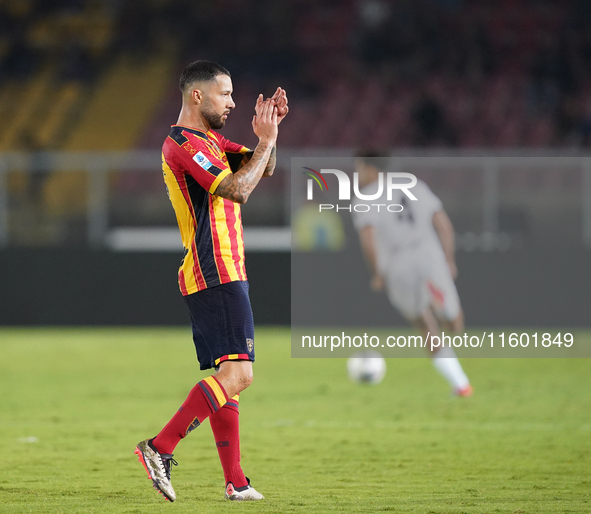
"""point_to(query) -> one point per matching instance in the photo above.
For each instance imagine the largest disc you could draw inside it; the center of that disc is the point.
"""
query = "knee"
(245, 378)
(239, 381)
(235, 376)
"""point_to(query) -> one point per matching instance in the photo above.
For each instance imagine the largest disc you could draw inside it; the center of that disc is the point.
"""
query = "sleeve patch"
(203, 161)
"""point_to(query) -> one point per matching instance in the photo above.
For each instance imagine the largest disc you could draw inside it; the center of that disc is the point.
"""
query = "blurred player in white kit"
(412, 255)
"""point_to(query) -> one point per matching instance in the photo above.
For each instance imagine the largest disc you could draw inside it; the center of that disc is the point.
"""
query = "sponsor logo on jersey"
(203, 161)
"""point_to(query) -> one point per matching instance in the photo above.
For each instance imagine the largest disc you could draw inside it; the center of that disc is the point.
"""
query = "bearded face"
(217, 101)
(216, 120)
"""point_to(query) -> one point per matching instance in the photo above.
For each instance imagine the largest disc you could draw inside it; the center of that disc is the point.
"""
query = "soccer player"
(207, 178)
(411, 254)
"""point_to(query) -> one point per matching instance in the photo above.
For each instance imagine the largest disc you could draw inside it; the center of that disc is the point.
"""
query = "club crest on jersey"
(203, 161)
(250, 345)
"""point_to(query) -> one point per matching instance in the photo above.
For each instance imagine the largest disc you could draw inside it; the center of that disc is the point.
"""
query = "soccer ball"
(366, 367)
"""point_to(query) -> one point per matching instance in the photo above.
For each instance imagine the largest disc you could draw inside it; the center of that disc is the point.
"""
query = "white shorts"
(416, 280)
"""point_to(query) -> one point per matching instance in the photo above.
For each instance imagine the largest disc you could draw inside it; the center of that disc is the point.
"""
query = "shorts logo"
(250, 345)
(200, 159)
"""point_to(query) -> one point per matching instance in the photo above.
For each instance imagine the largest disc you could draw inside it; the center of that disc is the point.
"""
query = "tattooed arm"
(270, 165)
(279, 100)
(238, 186)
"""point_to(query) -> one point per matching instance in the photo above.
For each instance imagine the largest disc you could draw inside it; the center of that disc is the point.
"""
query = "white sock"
(446, 362)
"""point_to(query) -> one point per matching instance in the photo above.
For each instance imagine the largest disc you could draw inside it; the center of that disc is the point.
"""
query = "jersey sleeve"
(430, 203)
(235, 153)
(202, 165)
(228, 146)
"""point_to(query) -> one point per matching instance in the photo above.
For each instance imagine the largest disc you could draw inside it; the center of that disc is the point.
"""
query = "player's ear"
(197, 96)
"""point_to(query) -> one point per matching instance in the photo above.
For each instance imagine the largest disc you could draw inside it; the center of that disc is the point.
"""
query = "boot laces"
(167, 460)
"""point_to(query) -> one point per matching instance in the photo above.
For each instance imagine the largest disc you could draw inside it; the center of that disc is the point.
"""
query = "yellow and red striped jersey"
(194, 163)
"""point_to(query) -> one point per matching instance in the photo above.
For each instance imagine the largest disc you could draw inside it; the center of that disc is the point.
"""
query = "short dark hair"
(374, 157)
(201, 71)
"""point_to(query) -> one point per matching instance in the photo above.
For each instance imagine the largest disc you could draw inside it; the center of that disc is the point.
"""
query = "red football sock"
(206, 398)
(226, 432)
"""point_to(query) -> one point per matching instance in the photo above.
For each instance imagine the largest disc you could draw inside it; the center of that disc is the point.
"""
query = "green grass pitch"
(74, 402)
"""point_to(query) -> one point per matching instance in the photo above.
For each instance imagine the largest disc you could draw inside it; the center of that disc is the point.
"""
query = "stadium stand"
(395, 73)
(81, 75)
(117, 113)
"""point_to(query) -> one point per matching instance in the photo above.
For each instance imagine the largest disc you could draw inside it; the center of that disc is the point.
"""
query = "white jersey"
(397, 233)
(408, 250)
